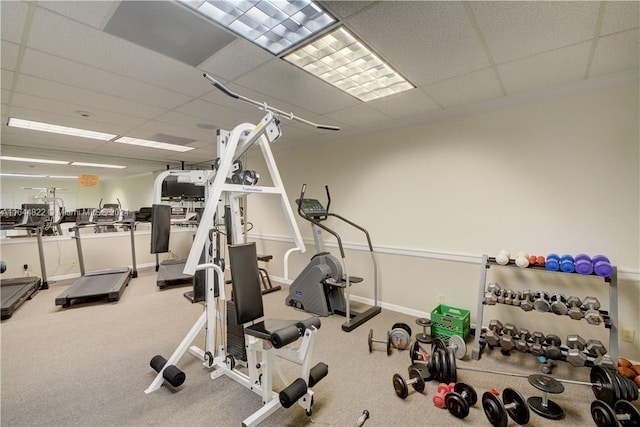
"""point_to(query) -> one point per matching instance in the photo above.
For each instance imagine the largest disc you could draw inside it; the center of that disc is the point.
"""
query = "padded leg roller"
(285, 336)
(171, 374)
(293, 392)
(317, 373)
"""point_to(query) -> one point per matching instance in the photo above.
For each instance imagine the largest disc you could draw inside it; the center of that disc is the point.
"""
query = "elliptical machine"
(320, 287)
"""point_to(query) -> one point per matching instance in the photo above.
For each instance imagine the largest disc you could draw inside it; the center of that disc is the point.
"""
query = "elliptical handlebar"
(326, 187)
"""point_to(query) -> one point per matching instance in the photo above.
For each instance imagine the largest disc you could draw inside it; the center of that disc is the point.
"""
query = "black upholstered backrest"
(245, 280)
(160, 228)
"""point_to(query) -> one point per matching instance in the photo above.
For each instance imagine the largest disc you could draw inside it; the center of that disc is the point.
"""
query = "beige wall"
(558, 175)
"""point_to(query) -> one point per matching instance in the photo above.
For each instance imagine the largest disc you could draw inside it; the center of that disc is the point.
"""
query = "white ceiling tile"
(615, 53)
(513, 30)
(235, 59)
(93, 13)
(344, 9)
(88, 100)
(286, 82)
(79, 75)
(10, 53)
(13, 17)
(4, 97)
(7, 79)
(360, 115)
(69, 39)
(222, 117)
(408, 103)
(620, 16)
(442, 42)
(100, 121)
(151, 127)
(546, 69)
(468, 89)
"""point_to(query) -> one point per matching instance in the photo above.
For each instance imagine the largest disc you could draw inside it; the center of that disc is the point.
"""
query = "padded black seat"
(265, 329)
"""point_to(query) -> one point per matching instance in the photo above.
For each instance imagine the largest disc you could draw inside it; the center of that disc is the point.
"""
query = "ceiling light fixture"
(345, 62)
(274, 25)
(22, 175)
(64, 130)
(152, 144)
(29, 160)
(97, 165)
(63, 176)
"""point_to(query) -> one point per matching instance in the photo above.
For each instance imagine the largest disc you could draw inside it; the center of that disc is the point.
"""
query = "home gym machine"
(267, 342)
(320, 288)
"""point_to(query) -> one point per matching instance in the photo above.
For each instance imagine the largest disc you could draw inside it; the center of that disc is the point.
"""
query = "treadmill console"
(312, 208)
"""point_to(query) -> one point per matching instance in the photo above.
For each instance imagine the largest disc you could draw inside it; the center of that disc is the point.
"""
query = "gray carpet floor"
(88, 365)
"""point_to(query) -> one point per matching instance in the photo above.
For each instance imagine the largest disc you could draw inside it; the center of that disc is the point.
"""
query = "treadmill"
(170, 270)
(100, 284)
(17, 290)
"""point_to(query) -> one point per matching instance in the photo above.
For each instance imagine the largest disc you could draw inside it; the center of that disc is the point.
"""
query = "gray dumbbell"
(599, 351)
(541, 302)
(516, 298)
(492, 337)
(559, 304)
(535, 343)
(590, 305)
(502, 295)
(491, 295)
(508, 337)
(574, 311)
(526, 303)
(575, 354)
(522, 344)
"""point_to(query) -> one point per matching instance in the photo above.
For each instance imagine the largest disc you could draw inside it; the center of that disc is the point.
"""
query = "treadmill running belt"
(108, 284)
(16, 291)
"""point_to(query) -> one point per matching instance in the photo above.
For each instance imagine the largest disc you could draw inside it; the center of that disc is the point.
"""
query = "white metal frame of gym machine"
(231, 146)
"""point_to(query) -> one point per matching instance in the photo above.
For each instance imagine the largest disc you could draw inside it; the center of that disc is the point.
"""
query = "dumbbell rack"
(488, 262)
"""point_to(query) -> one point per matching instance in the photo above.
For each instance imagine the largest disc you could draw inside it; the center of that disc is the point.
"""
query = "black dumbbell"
(514, 405)
(370, 341)
(622, 413)
(460, 399)
(401, 386)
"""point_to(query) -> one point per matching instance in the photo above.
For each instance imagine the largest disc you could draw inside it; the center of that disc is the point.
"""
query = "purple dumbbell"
(583, 264)
(602, 266)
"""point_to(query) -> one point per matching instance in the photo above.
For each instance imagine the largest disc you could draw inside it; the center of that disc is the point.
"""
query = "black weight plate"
(452, 365)
(437, 344)
(634, 390)
(413, 351)
(553, 340)
(546, 383)
(437, 366)
(494, 409)
(602, 414)
(520, 411)
(469, 393)
(402, 326)
(445, 366)
(551, 410)
(623, 407)
(604, 387)
(621, 386)
(457, 405)
(423, 369)
(418, 382)
(628, 386)
(400, 386)
(370, 340)
(388, 343)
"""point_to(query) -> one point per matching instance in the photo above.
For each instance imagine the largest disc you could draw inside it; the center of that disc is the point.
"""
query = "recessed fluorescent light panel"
(152, 144)
(275, 25)
(97, 165)
(29, 160)
(340, 59)
(22, 175)
(63, 176)
(46, 127)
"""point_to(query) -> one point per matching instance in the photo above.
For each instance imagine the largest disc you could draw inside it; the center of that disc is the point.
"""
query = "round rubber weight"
(174, 376)
(552, 411)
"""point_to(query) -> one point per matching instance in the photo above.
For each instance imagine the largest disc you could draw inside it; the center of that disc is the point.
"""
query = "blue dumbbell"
(567, 263)
(602, 266)
(553, 262)
(583, 264)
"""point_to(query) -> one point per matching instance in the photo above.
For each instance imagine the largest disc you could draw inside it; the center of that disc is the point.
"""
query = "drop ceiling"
(81, 64)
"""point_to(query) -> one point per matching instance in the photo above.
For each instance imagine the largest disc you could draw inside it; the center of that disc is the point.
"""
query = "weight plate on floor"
(444, 365)
(546, 383)
(459, 346)
(621, 386)
(457, 406)
(402, 325)
(520, 411)
(388, 343)
(604, 387)
(602, 414)
(551, 411)
(462, 388)
(494, 409)
(437, 366)
(623, 407)
(418, 385)
(451, 362)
